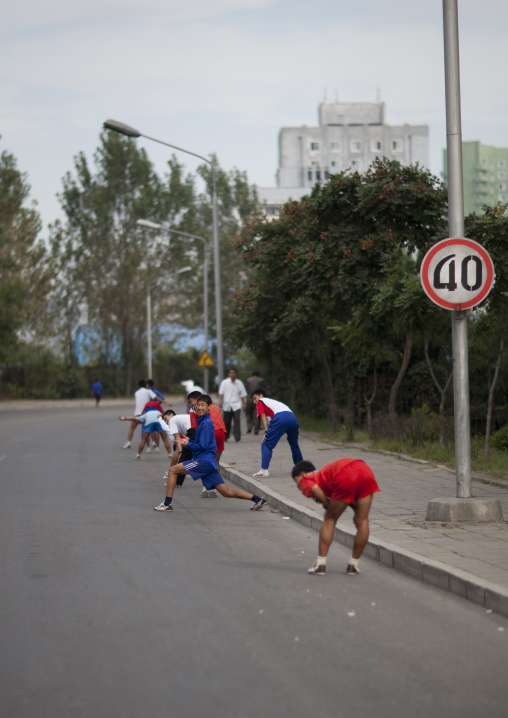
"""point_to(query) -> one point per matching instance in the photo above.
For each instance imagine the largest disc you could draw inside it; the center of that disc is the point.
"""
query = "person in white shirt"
(142, 397)
(232, 395)
(174, 425)
(282, 421)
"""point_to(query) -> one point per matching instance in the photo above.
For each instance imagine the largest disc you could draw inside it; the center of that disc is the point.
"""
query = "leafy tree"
(24, 273)
(490, 230)
(327, 256)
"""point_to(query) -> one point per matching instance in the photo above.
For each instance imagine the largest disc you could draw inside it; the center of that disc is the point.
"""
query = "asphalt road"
(109, 609)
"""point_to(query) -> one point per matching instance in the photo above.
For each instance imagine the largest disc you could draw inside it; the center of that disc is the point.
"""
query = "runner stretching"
(203, 464)
(343, 483)
(283, 421)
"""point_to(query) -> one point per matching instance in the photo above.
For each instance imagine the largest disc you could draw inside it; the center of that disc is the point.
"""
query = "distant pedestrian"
(96, 391)
(203, 464)
(232, 395)
(282, 421)
(150, 422)
(343, 483)
(151, 385)
(253, 383)
(142, 396)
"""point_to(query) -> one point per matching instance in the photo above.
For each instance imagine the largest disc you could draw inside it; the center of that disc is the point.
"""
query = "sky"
(223, 76)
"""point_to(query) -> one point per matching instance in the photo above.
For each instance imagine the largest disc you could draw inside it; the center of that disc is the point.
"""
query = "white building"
(349, 135)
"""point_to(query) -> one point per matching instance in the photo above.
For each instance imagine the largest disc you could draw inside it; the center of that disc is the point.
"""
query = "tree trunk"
(334, 414)
(490, 404)
(441, 391)
(368, 402)
(392, 411)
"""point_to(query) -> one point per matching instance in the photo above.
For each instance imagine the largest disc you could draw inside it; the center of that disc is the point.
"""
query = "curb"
(460, 583)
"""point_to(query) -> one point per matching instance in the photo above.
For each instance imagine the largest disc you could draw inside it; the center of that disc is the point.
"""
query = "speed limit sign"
(457, 273)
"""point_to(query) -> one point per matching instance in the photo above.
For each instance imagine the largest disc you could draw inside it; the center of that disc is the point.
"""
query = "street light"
(123, 129)
(154, 225)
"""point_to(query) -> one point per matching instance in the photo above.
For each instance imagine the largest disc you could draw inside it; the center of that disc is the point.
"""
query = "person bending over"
(343, 483)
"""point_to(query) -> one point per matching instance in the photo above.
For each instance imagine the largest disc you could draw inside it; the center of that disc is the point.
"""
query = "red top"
(343, 480)
(215, 413)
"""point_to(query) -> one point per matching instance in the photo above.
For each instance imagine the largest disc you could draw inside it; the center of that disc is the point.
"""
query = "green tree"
(24, 273)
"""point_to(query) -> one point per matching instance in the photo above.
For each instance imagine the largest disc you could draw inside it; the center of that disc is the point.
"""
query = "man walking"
(232, 395)
(343, 483)
(96, 391)
(282, 421)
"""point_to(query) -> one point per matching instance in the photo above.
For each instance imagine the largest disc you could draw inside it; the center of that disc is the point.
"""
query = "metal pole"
(218, 295)
(149, 328)
(205, 309)
(456, 229)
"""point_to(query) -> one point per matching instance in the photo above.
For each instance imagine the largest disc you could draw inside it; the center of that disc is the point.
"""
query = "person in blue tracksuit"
(282, 421)
(203, 464)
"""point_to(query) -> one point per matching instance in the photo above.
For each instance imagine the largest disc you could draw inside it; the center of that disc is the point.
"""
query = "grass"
(494, 467)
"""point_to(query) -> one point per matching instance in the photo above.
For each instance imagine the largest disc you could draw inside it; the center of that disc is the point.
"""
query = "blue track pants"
(283, 423)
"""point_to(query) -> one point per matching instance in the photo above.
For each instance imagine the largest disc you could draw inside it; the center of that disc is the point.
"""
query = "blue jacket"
(204, 446)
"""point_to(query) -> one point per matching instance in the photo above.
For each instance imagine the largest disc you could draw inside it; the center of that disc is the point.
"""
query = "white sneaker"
(157, 450)
(148, 451)
(262, 472)
(137, 457)
(204, 494)
(127, 445)
(212, 494)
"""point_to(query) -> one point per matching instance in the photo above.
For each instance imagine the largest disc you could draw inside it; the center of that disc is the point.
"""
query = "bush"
(499, 440)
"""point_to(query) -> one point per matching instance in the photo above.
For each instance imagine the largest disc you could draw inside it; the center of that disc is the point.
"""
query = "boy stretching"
(203, 464)
(150, 423)
(283, 421)
(343, 483)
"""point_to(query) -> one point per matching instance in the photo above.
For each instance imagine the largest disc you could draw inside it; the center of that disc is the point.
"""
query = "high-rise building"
(484, 175)
(349, 135)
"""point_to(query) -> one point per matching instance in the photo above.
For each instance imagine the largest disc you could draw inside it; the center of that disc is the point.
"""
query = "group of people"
(198, 439)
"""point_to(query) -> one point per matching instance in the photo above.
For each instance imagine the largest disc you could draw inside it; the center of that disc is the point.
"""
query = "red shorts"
(356, 481)
(219, 438)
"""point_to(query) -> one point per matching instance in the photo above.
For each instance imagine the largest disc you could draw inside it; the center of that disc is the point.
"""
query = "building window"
(314, 146)
(335, 147)
(501, 175)
(501, 187)
(309, 175)
(356, 145)
(318, 175)
(501, 197)
(397, 145)
(376, 146)
(501, 164)
(355, 166)
(326, 175)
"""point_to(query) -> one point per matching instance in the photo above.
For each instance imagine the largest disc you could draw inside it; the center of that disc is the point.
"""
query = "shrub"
(499, 440)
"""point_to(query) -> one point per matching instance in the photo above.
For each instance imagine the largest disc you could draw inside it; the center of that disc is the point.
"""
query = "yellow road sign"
(205, 359)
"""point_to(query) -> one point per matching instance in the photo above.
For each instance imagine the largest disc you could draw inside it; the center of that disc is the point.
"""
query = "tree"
(327, 255)
(490, 230)
(24, 273)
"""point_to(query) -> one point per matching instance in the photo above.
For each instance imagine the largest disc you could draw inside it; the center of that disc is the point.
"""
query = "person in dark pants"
(232, 395)
(282, 421)
(253, 383)
(96, 391)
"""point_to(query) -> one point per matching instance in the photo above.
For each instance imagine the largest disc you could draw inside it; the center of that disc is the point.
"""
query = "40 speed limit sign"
(457, 273)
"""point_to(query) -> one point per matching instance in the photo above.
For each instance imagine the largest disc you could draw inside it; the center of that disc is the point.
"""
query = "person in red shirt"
(343, 483)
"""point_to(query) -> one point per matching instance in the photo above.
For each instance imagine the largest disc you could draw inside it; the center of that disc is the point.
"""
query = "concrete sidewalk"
(470, 560)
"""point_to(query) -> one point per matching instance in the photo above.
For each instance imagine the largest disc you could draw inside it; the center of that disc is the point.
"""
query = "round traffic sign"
(457, 273)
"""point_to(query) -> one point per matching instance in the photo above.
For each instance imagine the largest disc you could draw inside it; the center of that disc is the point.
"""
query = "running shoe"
(351, 569)
(317, 570)
(163, 507)
(212, 494)
(262, 473)
(259, 505)
(137, 457)
(126, 446)
(204, 494)
(148, 451)
(157, 450)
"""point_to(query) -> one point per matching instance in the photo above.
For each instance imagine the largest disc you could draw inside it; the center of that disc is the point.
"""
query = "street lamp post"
(154, 225)
(123, 129)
